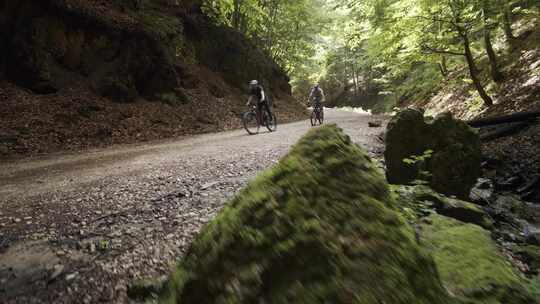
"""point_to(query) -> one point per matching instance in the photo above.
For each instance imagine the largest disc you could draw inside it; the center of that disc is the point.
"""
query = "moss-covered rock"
(417, 201)
(320, 227)
(533, 287)
(405, 136)
(454, 165)
(469, 263)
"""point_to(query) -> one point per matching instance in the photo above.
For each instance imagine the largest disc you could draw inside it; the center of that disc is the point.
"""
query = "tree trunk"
(496, 75)
(236, 15)
(507, 24)
(354, 80)
(504, 131)
(360, 89)
(442, 63)
(442, 66)
(473, 71)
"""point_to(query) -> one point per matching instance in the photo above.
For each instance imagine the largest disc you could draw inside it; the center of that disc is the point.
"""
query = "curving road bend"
(78, 228)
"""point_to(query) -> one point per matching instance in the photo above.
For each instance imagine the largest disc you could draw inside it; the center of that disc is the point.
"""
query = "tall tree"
(459, 17)
(496, 75)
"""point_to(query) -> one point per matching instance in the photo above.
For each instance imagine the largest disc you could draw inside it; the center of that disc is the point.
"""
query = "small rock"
(508, 184)
(208, 185)
(17, 220)
(532, 235)
(482, 193)
(92, 247)
(375, 124)
(71, 276)
(57, 270)
(484, 183)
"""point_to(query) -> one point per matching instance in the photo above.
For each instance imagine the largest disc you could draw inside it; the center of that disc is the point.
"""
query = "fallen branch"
(504, 131)
(517, 117)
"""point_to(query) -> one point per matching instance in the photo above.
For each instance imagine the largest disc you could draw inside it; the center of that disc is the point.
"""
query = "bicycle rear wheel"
(271, 125)
(249, 119)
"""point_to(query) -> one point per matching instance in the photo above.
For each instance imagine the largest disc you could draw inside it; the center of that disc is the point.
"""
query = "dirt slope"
(78, 74)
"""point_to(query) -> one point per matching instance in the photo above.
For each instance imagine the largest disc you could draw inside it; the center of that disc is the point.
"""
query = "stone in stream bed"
(320, 227)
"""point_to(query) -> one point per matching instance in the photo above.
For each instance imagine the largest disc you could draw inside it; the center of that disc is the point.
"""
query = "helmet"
(254, 82)
(316, 86)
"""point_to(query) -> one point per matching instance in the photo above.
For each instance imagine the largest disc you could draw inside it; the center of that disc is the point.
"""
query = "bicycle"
(317, 115)
(252, 124)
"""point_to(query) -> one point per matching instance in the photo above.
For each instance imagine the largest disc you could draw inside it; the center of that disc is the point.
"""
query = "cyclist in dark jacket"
(256, 94)
(316, 96)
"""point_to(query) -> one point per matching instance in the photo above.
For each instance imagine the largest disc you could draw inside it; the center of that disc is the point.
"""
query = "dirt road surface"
(79, 228)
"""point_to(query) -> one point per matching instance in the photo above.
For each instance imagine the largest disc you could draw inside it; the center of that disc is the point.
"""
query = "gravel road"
(79, 228)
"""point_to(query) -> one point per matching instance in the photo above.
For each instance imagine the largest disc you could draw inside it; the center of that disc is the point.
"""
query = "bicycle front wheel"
(249, 119)
(321, 117)
(313, 118)
(271, 124)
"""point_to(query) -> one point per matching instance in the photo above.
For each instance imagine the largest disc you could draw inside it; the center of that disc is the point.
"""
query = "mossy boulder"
(454, 165)
(319, 227)
(419, 200)
(469, 263)
(406, 135)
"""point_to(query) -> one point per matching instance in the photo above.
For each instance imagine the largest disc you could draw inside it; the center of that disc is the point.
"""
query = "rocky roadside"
(81, 230)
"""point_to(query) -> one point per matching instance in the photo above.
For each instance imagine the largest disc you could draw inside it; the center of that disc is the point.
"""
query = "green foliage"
(103, 245)
(419, 161)
(414, 159)
(382, 51)
(285, 29)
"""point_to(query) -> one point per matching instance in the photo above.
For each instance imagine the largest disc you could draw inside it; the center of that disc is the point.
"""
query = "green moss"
(318, 227)
(408, 203)
(416, 202)
(533, 287)
(469, 264)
